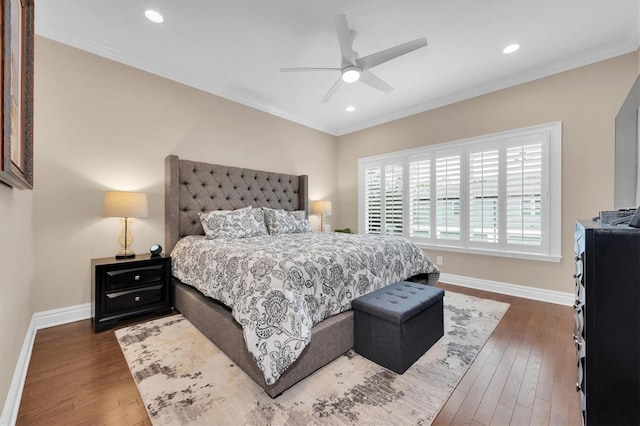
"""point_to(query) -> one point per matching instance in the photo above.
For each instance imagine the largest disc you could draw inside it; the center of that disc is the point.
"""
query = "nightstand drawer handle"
(137, 298)
(137, 278)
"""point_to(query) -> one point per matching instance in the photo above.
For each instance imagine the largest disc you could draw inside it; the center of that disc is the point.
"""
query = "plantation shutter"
(497, 194)
(393, 199)
(372, 196)
(524, 193)
(448, 197)
(420, 198)
(483, 196)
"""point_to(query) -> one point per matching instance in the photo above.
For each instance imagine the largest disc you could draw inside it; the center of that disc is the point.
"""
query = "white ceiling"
(235, 48)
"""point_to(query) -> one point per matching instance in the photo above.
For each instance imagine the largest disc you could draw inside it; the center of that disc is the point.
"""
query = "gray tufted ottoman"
(397, 324)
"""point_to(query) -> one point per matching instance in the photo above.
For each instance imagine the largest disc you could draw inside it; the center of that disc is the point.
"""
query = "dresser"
(607, 322)
(123, 288)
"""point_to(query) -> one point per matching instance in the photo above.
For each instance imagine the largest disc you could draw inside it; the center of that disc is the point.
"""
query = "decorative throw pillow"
(286, 222)
(240, 223)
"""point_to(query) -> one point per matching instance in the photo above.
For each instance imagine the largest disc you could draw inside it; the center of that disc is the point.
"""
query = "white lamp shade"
(125, 204)
(321, 207)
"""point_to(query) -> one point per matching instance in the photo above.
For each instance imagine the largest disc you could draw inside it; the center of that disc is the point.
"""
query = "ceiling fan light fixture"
(153, 16)
(350, 74)
(511, 48)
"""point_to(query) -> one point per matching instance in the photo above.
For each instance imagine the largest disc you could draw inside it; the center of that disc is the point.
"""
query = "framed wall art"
(16, 165)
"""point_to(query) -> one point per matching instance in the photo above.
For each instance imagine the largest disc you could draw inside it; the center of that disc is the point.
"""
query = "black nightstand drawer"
(132, 299)
(125, 278)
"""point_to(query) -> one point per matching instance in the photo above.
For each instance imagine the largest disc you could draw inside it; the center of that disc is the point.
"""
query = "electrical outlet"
(439, 260)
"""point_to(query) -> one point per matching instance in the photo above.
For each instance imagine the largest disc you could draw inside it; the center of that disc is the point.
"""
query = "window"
(497, 194)
(393, 199)
(373, 202)
(483, 196)
(383, 198)
(420, 198)
(447, 189)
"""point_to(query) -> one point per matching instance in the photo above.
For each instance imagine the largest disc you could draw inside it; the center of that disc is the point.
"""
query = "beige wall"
(586, 100)
(101, 125)
(16, 270)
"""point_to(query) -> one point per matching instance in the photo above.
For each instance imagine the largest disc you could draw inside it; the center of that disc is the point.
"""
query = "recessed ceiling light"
(153, 16)
(351, 108)
(511, 48)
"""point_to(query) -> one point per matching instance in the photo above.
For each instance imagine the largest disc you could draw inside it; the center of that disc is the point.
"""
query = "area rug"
(185, 380)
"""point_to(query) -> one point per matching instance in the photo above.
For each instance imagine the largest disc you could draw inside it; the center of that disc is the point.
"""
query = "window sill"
(496, 253)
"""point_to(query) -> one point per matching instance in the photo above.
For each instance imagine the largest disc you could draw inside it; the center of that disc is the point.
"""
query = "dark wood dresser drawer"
(133, 299)
(126, 278)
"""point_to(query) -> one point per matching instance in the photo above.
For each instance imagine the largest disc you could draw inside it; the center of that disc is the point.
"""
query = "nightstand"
(122, 288)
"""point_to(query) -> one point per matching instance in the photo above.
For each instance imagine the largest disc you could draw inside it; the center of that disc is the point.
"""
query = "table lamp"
(125, 205)
(321, 208)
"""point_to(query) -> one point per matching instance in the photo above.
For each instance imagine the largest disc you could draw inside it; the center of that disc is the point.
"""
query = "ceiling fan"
(357, 69)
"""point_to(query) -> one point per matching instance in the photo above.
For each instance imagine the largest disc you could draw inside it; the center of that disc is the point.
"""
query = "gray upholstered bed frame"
(192, 187)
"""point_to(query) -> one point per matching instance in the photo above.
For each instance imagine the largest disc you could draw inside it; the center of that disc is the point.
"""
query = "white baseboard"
(12, 403)
(39, 320)
(60, 316)
(551, 296)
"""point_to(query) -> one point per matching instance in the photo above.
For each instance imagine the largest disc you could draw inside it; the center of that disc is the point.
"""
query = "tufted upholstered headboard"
(192, 187)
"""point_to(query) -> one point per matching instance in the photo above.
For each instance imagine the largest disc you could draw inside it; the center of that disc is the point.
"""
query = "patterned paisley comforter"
(278, 287)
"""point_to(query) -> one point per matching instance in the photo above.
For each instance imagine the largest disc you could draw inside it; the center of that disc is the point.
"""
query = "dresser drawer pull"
(137, 298)
(137, 278)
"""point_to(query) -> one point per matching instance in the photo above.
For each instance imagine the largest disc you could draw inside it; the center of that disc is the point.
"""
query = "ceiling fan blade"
(344, 38)
(383, 56)
(333, 90)
(308, 69)
(368, 78)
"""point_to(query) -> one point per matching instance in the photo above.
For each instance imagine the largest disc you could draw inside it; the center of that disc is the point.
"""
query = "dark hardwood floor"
(524, 375)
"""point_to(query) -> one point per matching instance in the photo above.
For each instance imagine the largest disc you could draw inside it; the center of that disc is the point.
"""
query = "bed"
(196, 187)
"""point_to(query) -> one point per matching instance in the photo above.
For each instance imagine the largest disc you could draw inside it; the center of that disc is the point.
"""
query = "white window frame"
(550, 248)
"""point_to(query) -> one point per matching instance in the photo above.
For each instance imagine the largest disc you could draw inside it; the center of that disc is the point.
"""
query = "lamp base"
(125, 256)
(125, 239)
